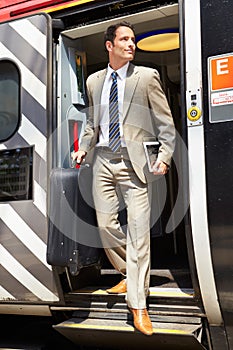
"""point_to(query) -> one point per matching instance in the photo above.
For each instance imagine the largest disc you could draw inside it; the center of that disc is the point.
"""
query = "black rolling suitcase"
(73, 238)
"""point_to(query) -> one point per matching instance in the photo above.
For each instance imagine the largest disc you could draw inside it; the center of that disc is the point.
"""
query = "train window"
(9, 99)
(16, 174)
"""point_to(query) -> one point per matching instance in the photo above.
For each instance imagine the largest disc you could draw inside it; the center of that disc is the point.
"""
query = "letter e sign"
(221, 69)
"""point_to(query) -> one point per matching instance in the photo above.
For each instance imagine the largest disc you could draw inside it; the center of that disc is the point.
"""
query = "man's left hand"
(160, 168)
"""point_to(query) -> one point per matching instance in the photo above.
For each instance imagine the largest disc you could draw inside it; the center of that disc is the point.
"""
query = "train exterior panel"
(24, 192)
(13, 9)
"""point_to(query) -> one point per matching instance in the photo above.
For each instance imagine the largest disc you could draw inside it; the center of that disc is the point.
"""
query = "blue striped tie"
(114, 126)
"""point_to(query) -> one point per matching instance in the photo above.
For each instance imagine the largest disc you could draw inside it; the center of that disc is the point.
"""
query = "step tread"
(121, 308)
(154, 292)
(155, 317)
(127, 326)
(159, 308)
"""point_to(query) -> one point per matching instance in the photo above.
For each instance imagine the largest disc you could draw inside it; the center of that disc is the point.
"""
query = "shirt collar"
(121, 72)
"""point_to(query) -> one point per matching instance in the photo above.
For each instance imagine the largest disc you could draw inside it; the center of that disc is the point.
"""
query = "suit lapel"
(97, 92)
(130, 86)
(99, 85)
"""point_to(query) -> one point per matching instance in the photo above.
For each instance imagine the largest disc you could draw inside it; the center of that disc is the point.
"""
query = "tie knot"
(114, 75)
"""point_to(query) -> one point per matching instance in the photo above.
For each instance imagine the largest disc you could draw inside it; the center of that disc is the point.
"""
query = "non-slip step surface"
(118, 334)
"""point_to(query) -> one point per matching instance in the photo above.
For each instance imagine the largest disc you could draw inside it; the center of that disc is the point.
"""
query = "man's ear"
(108, 45)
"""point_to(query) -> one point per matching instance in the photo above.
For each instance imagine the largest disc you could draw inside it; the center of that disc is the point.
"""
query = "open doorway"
(169, 258)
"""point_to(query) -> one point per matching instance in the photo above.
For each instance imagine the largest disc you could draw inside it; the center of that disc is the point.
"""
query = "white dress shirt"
(104, 108)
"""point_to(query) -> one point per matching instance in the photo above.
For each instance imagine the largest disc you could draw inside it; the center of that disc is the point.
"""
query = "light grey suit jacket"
(146, 117)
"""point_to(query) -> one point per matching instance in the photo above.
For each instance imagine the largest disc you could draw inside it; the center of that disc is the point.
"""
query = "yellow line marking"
(121, 328)
(152, 293)
(175, 294)
(62, 7)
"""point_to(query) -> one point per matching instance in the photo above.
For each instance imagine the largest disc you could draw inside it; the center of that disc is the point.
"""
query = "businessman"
(127, 107)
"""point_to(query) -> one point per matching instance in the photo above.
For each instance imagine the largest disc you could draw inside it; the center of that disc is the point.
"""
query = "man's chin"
(131, 57)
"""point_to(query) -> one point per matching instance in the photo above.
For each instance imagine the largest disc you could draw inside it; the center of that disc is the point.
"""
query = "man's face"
(123, 49)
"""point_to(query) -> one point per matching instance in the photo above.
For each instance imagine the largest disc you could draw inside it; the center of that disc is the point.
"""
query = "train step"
(121, 335)
(166, 286)
(87, 296)
(99, 319)
(96, 318)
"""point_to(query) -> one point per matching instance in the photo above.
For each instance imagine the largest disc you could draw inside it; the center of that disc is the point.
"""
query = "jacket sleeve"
(162, 118)
(88, 137)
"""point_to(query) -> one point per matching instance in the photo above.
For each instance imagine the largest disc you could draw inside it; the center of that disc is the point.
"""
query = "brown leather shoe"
(119, 288)
(142, 321)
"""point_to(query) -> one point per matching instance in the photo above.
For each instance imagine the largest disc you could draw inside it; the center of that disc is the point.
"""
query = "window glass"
(16, 174)
(9, 99)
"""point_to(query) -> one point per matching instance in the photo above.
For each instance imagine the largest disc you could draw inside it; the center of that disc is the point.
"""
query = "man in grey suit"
(127, 108)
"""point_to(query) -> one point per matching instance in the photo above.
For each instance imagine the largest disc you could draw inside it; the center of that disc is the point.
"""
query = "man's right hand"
(79, 156)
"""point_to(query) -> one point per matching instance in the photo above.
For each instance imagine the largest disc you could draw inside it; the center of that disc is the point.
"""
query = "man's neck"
(115, 68)
(117, 65)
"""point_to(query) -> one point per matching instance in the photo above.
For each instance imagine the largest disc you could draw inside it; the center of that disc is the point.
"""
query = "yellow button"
(194, 113)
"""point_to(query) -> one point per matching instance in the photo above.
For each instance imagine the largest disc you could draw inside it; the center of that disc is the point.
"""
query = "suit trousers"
(116, 188)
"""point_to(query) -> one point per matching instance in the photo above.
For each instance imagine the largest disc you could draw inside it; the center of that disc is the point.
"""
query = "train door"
(175, 305)
(217, 48)
(25, 118)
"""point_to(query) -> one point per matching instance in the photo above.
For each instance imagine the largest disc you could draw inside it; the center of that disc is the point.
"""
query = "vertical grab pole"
(75, 136)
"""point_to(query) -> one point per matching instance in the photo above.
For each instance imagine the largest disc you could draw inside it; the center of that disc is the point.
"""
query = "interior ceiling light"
(158, 40)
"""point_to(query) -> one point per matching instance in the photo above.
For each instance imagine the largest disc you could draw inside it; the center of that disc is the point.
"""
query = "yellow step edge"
(122, 328)
(173, 294)
(176, 293)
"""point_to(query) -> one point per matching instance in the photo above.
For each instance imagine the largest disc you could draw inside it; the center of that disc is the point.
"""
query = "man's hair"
(110, 33)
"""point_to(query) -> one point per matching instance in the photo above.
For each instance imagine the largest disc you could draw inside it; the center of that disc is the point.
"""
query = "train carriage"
(47, 50)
